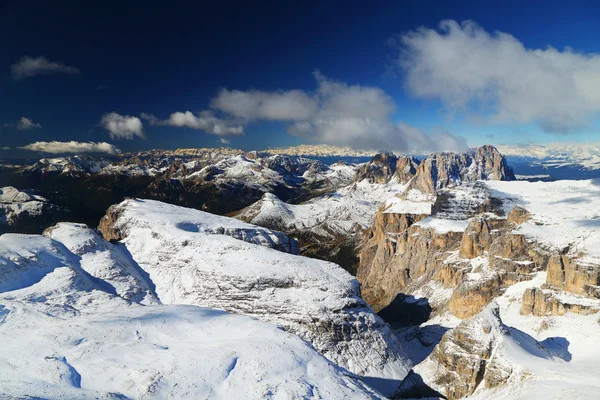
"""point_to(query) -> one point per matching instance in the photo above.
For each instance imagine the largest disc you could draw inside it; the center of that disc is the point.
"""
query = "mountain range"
(223, 273)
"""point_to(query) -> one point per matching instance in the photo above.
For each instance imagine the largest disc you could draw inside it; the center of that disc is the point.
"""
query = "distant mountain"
(320, 150)
(560, 160)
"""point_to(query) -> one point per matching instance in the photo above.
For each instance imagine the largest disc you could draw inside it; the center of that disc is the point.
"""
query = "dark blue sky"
(136, 57)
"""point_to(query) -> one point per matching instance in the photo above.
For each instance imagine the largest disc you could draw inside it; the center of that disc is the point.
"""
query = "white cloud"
(5, 148)
(26, 123)
(274, 106)
(336, 113)
(205, 121)
(27, 67)
(470, 70)
(224, 141)
(72, 147)
(122, 126)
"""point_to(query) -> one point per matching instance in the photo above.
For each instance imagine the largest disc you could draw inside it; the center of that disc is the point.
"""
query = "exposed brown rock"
(108, 226)
(566, 273)
(469, 298)
(395, 253)
(480, 233)
(406, 168)
(518, 215)
(465, 359)
(540, 302)
(442, 170)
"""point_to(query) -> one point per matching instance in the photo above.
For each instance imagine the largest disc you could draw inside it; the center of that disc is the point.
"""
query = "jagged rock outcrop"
(198, 258)
(399, 254)
(391, 260)
(386, 167)
(481, 231)
(380, 169)
(541, 302)
(470, 356)
(442, 170)
(518, 215)
(568, 274)
(406, 168)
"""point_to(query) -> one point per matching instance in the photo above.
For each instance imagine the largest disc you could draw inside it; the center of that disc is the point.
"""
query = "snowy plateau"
(214, 274)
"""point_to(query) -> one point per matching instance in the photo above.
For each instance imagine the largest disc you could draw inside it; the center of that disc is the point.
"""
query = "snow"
(64, 337)
(573, 371)
(565, 214)
(558, 154)
(105, 261)
(344, 211)
(443, 225)
(193, 257)
(412, 202)
(14, 204)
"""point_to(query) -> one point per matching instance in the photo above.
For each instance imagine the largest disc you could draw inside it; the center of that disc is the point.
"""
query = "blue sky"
(135, 58)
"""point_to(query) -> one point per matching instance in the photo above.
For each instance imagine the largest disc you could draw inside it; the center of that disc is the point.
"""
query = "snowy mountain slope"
(197, 258)
(105, 261)
(64, 337)
(483, 357)
(345, 211)
(564, 214)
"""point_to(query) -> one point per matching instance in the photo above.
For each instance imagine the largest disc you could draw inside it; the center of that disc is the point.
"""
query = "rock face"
(385, 167)
(566, 273)
(476, 258)
(518, 215)
(540, 302)
(198, 258)
(65, 334)
(443, 170)
(477, 353)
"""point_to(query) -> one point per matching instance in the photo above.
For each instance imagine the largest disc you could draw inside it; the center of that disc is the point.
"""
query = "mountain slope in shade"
(23, 211)
(65, 337)
(197, 258)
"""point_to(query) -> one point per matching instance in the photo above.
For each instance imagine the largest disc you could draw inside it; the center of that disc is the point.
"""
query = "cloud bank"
(205, 121)
(122, 126)
(274, 106)
(26, 123)
(467, 68)
(72, 147)
(337, 113)
(27, 67)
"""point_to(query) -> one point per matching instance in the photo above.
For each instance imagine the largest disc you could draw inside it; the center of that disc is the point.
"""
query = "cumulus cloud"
(275, 106)
(205, 121)
(224, 141)
(73, 147)
(468, 68)
(122, 126)
(27, 67)
(26, 123)
(336, 113)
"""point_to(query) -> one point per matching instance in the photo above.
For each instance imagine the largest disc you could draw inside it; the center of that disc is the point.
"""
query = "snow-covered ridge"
(65, 335)
(197, 258)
